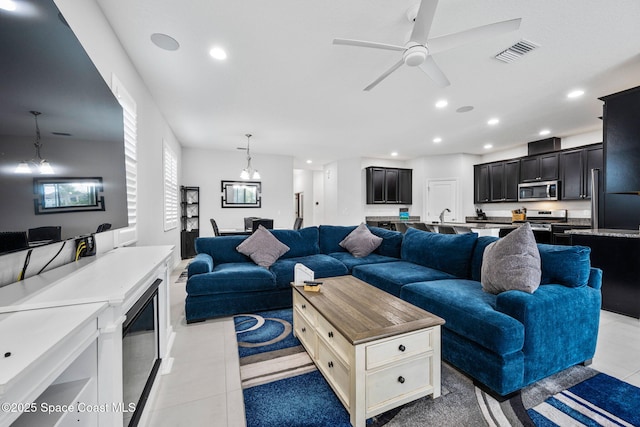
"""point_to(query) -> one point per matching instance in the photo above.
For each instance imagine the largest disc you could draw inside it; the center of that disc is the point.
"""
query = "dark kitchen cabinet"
(388, 185)
(618, 259)
(575, 171)
(481, 190)
(543, 167)
(496, 182)
(621, 118)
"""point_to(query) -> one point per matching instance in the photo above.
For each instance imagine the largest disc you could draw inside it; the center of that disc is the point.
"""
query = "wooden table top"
(363, 313)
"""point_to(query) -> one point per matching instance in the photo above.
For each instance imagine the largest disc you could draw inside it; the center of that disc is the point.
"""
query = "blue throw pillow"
(565, 265)
(303, 242)
(450, 253)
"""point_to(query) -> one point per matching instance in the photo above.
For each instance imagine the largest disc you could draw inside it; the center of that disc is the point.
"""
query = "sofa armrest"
(202, 263)
(595, 278)
(560, 324)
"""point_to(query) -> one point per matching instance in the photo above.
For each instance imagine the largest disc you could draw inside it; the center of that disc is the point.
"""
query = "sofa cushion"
(222, 249)
(468, 311)
(361, 242)
(231, 277)
(450, 253)
(350, 261)
(478, 253)
(565, 265)
(392, 276)
(301, 242)
(321, 264)
(330, 237)
(512, 263)
(391, 241)
(262, 247)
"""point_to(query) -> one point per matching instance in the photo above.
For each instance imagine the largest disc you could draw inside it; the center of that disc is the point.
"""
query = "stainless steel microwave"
(535, 191)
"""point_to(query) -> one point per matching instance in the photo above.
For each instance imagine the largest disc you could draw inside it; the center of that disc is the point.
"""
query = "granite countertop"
(607, 232)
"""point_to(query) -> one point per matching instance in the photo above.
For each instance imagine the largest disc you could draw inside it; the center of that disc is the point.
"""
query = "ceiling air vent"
(516, 51)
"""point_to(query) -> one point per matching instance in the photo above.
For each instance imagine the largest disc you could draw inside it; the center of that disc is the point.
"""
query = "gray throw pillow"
(361, 242)
(262, 247)
(512, 262)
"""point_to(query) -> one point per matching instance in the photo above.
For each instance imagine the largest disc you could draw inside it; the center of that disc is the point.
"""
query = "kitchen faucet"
(442, 214)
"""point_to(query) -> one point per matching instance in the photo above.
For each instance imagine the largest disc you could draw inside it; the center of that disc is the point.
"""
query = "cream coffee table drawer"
(335, 371)
(334, 339)
(304, 332)
(398, 382)
(306, 309)
(402, 347)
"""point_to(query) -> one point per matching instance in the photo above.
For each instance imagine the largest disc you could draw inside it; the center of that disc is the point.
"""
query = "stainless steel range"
(541, 222)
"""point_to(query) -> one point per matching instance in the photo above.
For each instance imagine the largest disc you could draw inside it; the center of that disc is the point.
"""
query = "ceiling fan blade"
(434, 72)
(384, 75)
(423, 21)
(360, 43)
(450, 41)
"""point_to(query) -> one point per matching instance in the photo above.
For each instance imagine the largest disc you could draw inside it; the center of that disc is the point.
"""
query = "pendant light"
(249, 172)
(41, 165)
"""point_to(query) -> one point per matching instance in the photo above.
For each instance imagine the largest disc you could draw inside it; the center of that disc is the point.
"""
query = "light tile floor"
(203, 388)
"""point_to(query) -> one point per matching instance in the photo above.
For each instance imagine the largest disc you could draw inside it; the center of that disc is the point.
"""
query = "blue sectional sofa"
(504, 341)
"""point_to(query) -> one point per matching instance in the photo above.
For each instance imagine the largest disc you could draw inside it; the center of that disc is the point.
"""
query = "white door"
(442, 194)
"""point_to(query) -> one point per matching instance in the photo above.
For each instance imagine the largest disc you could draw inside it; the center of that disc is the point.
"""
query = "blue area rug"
(598, 401)
(282, 387)
(265, 332)
(303, 400)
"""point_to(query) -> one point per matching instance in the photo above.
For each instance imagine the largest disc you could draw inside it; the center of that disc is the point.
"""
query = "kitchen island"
(616, 252)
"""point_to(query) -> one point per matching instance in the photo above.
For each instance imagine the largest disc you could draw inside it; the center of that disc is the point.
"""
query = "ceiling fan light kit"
(418, 51)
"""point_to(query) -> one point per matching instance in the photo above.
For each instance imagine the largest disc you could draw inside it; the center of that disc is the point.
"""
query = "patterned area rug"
(283, 388)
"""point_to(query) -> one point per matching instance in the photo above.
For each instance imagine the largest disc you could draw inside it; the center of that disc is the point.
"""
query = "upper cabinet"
(621, 142)
(388, 185)
(496, 182)
(543, 167)
(575, 171)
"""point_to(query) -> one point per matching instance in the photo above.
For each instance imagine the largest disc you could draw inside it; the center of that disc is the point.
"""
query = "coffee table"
(375, 350)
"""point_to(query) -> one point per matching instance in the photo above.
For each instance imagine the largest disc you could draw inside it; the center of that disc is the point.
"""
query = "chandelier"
(249, 172)
(40, 164)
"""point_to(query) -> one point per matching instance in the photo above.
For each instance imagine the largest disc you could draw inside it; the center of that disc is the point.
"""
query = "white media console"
(61, 338)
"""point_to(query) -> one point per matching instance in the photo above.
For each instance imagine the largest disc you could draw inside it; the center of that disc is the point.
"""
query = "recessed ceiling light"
(394, 154)
(218, 53)
(9, 5)
(442, 103)
(164, 41)
(437, 140)
(544, 132)
(488, 146)
(309, 162)
(493, 122)
(575, 93)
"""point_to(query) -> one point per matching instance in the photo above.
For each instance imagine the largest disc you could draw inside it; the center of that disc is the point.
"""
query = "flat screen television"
(44, 68)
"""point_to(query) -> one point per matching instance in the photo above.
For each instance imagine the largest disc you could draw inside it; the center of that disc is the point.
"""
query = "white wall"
(206, 168)
(451, 166)
(104, 49)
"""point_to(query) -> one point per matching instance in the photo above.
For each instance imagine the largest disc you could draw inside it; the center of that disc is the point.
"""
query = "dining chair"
(297, 224)
(216, 232)
(265, 222)
(446, 229)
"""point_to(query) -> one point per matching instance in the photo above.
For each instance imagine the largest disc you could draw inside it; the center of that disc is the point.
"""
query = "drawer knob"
(304, 306)
(304, 330)
(402, 348)
(401, 379)
(330, 364)
(330, 334)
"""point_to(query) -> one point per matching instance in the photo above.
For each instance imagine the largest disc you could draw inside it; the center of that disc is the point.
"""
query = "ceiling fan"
(419, 49)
